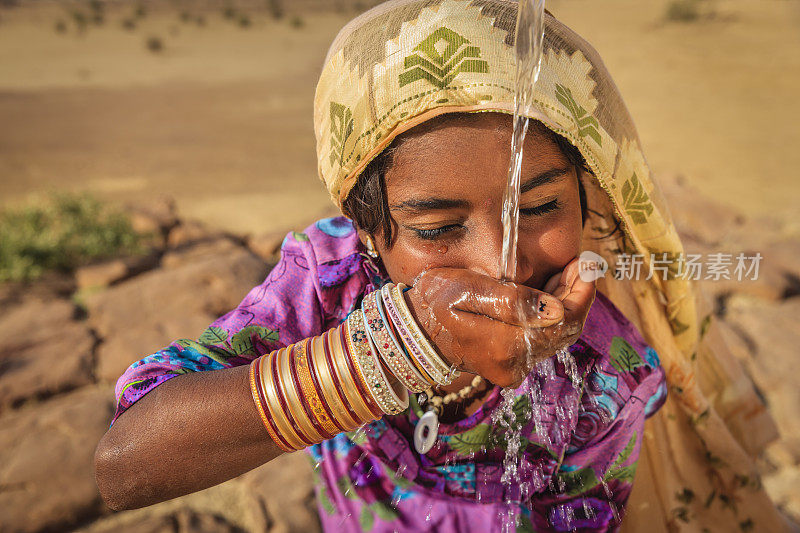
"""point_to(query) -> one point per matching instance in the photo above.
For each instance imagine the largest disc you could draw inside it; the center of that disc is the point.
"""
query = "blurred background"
(154, 153)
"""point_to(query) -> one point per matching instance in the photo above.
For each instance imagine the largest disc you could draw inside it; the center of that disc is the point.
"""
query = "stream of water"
(528, 52)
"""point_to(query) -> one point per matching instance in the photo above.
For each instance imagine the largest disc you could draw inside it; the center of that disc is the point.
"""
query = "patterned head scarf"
(407, 61)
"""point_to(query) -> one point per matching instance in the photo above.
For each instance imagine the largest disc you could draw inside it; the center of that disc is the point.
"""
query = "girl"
(413, 129)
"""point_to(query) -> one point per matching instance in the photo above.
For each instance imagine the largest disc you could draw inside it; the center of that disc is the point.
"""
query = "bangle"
(387, 347)
(299, 412)
(419, 336)
(283, 399)
(258, 398)
(270, 386)
(370, 368)
(323, 371)
(410, 334)
(298, 408)
(354, 390)
(309, 394)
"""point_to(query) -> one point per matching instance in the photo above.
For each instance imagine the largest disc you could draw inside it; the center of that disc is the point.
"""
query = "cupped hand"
(497, 329)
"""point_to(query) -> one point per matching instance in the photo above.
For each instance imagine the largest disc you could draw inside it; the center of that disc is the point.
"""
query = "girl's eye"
(430, 234)
(539, 210)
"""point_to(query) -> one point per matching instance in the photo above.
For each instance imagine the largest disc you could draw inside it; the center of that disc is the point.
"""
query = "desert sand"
(220, 119)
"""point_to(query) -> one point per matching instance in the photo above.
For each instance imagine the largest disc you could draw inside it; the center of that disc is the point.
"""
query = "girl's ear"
(369, 243)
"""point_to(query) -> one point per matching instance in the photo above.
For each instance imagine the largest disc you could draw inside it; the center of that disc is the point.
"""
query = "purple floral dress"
(579, 460)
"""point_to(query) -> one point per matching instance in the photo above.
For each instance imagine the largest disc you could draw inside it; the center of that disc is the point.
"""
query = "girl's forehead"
(465, 139)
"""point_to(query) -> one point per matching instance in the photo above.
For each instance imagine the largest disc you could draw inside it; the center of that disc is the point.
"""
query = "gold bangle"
(293, 400)
(358, 403)
(302, 361)
(278, 415)
(328, 385)
(264, 417)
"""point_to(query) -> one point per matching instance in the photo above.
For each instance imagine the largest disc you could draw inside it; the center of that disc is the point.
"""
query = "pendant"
(426, 431)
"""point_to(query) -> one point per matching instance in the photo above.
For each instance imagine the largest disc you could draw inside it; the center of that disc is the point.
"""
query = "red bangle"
(310, 362)
(281, 394)
(304, 402)
(337, 384)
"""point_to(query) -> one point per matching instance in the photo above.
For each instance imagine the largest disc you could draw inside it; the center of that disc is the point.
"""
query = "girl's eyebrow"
(545, 177)
(416, 205)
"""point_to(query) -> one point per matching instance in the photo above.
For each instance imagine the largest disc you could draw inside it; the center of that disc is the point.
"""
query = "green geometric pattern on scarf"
(440, 68)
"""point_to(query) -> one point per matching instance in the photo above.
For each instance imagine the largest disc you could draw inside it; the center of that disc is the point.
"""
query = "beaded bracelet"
(387, 346)
(359, 396)
(370, 368)
(411, 335)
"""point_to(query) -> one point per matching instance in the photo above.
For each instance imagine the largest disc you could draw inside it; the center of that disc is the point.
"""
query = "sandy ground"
(221, 119)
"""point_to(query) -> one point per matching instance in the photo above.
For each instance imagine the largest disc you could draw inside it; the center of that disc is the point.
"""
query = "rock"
(197, 252)
(189, 232)
(770, 330)
(695, 215)
(47, 453)
(230, 506)
(285, 487)
(184, 520)
(101, 275)
(266, 245)
(43, 350)
(778, 273)
(156, 216)
(144, 314)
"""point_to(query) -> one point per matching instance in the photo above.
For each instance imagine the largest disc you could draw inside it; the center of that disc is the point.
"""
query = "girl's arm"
(190, 433)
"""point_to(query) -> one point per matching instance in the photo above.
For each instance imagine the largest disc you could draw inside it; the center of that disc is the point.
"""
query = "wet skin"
(445, 187)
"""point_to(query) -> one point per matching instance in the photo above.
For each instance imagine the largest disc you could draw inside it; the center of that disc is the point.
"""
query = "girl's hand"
(496, 329)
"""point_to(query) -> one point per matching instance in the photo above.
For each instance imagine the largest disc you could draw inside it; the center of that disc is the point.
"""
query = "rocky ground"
(65, 340)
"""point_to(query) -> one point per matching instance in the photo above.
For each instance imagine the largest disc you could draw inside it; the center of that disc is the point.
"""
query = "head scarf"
(407, 61)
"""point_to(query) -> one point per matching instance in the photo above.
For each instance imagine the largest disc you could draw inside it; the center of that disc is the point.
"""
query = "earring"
(371, 248)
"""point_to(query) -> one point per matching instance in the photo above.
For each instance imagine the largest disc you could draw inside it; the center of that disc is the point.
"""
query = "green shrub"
(80, 19)
(683, 10)
(275, 8)
(154, 44)
(61, 233)
(244, 21)
(296, 22)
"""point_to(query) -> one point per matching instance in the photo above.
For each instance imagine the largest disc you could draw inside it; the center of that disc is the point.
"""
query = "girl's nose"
(484, 256)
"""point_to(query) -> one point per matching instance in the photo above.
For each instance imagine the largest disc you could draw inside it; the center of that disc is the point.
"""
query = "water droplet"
(442, 249)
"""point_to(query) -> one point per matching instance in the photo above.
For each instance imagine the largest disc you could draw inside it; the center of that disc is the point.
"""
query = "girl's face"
(445, 190)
